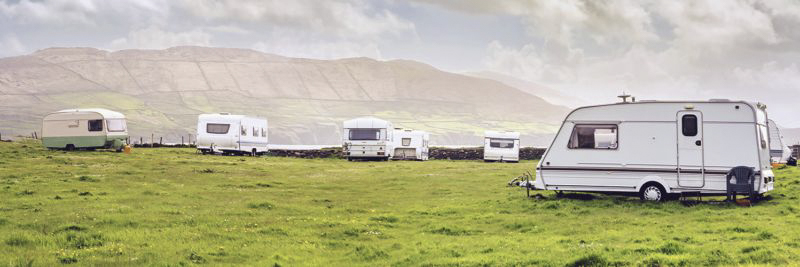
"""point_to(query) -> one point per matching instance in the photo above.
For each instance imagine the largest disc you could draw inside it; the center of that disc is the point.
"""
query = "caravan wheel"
(652, 192)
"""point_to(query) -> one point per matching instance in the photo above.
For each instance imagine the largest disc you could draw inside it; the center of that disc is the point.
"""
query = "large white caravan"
(410, 144)
(655, 148)
(501, 146)
(367, 138)
(231, 134)
(84, 129)
(778, 150)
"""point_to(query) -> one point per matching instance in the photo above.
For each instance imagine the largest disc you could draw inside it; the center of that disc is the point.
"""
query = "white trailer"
(91, 128)
(655, 148)
(232, 134)
(778, 150)
(410, 144)
(367, 138)
(501, 146)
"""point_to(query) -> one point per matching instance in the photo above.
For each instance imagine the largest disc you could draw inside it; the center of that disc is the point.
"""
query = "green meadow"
(174, 207)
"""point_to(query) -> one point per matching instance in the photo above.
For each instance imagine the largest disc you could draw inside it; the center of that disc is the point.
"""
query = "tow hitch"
(523, 180)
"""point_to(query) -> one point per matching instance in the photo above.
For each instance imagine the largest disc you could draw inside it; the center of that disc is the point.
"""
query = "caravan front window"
(406, 141)
(594, 137)
(116, 125)
(501, 143)
(217, 128)
(365, 134)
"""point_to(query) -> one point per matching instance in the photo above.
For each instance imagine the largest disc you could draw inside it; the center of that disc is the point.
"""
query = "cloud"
(93, 13)
(291, 44)
(11, 46)
(155, 38)
(344, 19)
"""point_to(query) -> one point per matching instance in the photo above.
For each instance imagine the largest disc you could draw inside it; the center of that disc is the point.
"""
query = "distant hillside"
(548, 94)
(163, 91)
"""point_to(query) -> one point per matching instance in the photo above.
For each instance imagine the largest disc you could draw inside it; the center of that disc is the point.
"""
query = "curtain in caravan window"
(217, 128)
(116, 125)
(594, 137)
(501, 143)
(365, 134)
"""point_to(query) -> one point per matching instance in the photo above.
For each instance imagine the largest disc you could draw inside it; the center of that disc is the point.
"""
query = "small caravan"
(231, 134)
(501, 146)
(778, 150)
(72, 129)
(655, 148)
(410, 144)
(367, 138)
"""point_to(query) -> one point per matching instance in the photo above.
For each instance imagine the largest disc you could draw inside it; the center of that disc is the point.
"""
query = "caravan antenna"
(624, 97)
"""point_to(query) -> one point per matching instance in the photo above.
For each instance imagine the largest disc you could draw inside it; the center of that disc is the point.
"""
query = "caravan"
(410, 144)
(778, 150)
(501, 146)
(367, 138)
(231, 134)
(84, 129)
(656, 148)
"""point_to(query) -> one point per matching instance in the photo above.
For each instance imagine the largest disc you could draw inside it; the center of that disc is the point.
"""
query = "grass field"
(175, 207)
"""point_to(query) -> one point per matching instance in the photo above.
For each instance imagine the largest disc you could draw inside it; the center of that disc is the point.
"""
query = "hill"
(163, 91)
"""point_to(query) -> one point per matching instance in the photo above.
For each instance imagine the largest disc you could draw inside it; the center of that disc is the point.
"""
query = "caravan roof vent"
(719, 100)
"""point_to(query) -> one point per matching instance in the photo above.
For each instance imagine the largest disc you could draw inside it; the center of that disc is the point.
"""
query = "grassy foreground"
(175, 207)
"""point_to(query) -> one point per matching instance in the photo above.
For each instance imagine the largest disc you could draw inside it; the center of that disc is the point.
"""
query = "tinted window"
(406, 141)
(501, 143)
(216, 128)
(365, 134)
(689, 123)
(95, 125)
(594, 137)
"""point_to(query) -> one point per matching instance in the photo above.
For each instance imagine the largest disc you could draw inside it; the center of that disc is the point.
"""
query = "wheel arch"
(654, 179)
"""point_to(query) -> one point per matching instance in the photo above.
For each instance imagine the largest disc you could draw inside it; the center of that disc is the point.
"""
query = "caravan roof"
(108, 114)
(505, 135)
(366, 122)
(665, 111)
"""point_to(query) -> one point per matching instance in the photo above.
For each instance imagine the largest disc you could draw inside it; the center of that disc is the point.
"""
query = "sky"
(590, 51)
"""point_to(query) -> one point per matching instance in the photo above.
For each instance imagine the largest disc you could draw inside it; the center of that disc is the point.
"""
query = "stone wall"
(476, 153)
(465, 153)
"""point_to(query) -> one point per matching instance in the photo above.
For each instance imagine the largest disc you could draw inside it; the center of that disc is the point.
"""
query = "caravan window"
(689, 125)
(501, 143)
(365, 134)
(244, 131)
(216, 128)
(406, 141)
(594, 137)
(95, 125)
(263, 132)
(763, 132)
(116, 125)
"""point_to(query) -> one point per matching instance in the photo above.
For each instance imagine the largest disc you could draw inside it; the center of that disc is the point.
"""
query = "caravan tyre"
(70, 147)
(652, 192)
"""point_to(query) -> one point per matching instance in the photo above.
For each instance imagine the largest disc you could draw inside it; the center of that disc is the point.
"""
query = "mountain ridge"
(304, 99)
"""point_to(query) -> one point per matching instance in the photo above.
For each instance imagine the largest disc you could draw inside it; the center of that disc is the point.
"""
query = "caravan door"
(691, 167)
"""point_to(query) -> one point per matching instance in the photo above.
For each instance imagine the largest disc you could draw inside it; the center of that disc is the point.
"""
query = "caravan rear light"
(380, 153)
(380, 148)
